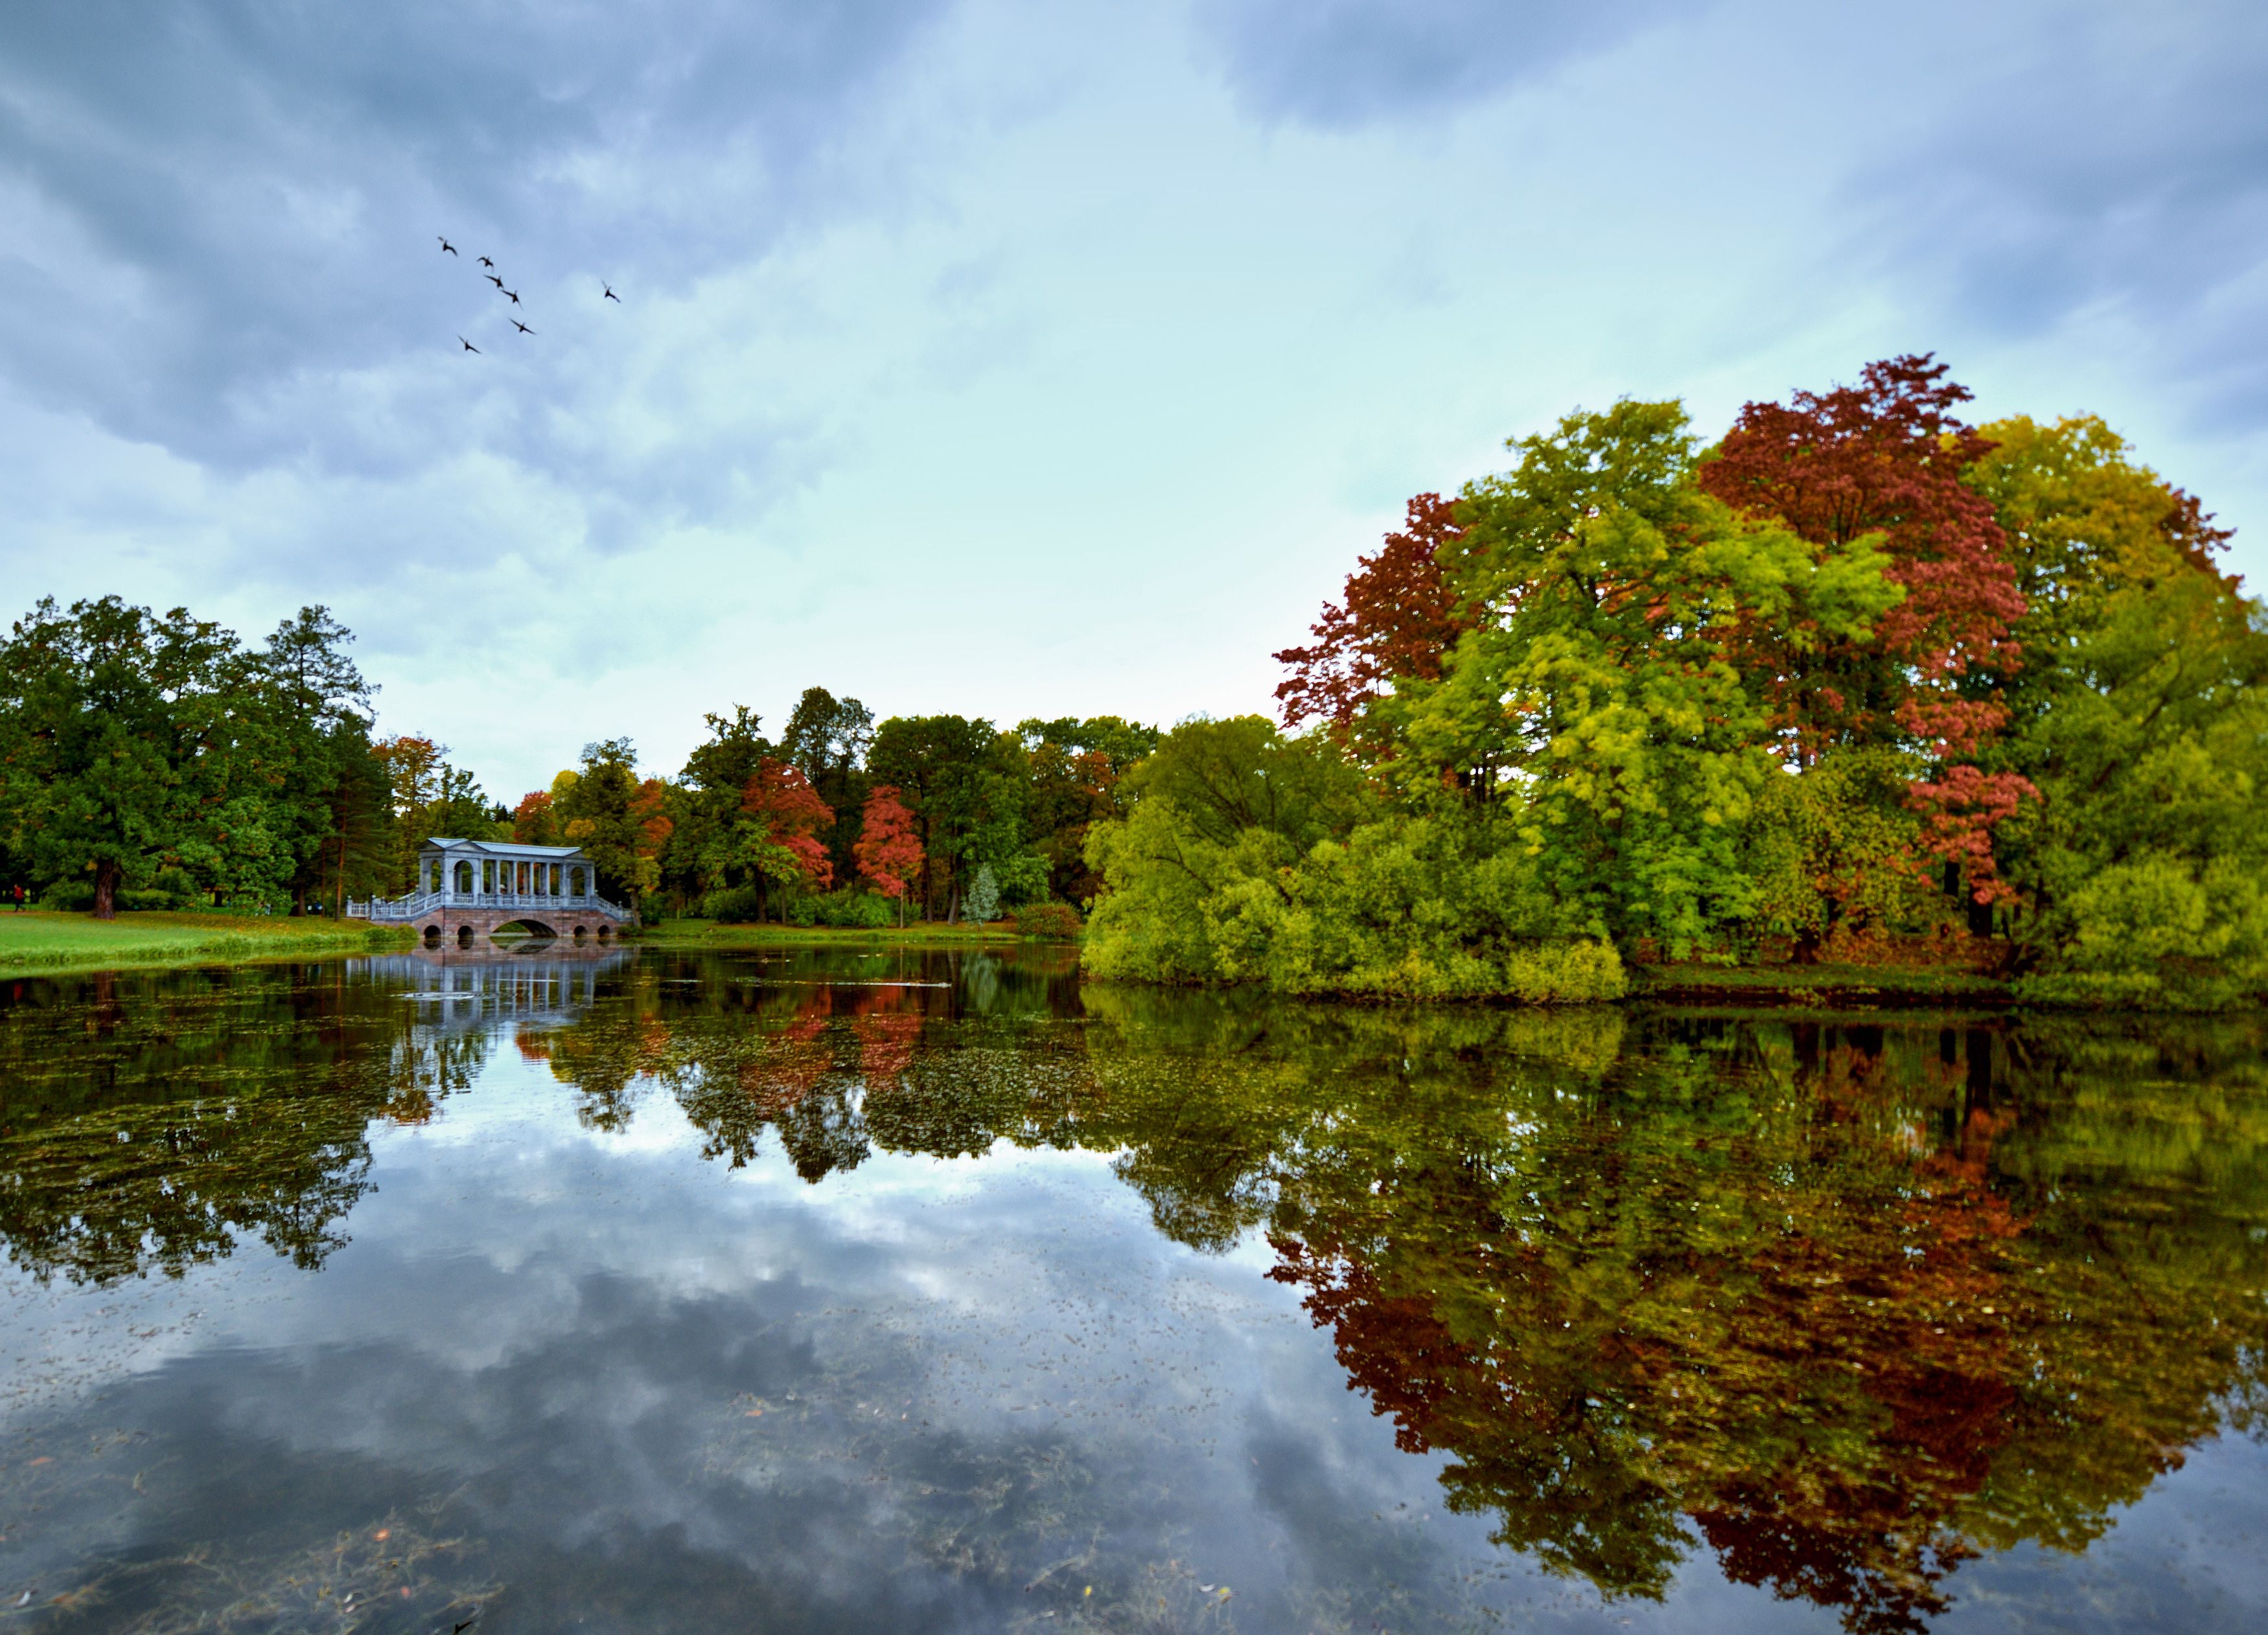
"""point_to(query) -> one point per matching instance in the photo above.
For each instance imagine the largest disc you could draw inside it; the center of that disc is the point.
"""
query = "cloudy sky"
(1023, 359)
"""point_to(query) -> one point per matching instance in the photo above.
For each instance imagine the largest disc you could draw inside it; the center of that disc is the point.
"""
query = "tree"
(536, 819)
(107, 712)
(780, 827)
(1600, 699)
(1400, 616)
(432, 797)
(827, 740)
(2140, 716)
(954, 775)
(313, 754)
(1072, 773)
(889, 852)
(1882, 460)
(622, 823)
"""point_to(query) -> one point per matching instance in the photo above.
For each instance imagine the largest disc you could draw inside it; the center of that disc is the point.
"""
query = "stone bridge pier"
(455, 926)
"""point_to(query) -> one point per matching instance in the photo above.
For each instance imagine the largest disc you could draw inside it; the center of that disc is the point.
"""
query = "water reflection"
(1839, 1307)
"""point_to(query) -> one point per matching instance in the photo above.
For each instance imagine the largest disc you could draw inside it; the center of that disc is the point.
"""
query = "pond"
(804, 1290)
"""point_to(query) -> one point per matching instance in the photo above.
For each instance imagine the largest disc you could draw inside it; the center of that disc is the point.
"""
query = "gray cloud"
(1344, 63)
(2120, 162)
(223, 209)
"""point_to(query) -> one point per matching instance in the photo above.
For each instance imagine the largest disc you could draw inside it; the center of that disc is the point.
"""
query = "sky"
(1017, 359)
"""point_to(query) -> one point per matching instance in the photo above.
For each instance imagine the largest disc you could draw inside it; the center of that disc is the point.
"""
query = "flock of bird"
(512, 296)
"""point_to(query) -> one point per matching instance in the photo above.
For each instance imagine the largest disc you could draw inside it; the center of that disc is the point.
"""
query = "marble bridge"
(468, 890)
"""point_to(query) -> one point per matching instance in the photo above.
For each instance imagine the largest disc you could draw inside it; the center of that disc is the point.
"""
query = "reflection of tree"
(152, 1121)
(1846, 1305)
(1792, 1293)
(939, 1054)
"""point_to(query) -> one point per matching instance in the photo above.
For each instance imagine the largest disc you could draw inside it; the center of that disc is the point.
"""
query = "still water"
(803, 1291)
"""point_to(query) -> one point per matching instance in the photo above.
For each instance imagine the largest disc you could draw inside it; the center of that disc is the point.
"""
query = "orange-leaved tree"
(534, 820)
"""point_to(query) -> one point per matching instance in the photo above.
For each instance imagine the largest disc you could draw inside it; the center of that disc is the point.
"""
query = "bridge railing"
(418, 904)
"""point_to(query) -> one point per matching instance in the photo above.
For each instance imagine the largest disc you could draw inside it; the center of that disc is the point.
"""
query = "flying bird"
(468, 345)
(486, 262)
(447, 245)
(513, 293)
(609, 288)
(493, 279)
(522, 328)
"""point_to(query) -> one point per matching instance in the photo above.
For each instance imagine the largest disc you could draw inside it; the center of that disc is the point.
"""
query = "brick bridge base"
(475, 928)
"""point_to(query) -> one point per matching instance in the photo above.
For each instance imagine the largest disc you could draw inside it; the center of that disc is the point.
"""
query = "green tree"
(1599, 693)
(827, 740)
(2142, 718)
(107, 712)
(622, 823)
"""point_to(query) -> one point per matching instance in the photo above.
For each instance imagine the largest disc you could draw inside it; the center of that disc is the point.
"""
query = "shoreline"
(45, 943)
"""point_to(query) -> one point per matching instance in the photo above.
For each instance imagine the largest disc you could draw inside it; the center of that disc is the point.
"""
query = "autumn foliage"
(1884, 459)
(789, 819)
(890, 852)
(1401, 615)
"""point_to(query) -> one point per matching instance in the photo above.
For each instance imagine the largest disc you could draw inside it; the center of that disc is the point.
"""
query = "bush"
(734, 905)
(144, 899)
(853, 910)
(1048, 922)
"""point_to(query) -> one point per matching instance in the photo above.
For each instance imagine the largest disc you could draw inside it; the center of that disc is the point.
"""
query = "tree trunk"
(105, 889)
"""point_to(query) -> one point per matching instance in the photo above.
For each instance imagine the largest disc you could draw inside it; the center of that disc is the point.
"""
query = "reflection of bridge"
(489, 989)
(468, 890)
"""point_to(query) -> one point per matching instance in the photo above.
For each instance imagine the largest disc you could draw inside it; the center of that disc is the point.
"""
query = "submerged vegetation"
(1858, 682)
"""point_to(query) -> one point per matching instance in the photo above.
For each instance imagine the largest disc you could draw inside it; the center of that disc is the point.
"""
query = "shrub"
(853, 910)
(1048, 922)
(734, 905)
(982, 900)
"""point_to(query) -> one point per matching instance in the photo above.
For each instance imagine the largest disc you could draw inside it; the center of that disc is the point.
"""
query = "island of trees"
(1858, 683)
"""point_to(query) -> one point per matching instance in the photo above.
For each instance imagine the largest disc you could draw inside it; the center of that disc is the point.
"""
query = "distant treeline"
(1857, 682)
(158, 761)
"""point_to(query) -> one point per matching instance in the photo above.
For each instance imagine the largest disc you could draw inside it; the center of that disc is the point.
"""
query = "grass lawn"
(40, 941)
(710, 934)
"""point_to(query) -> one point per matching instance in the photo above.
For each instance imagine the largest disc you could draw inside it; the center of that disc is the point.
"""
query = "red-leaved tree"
(786, 818)
(1400, 618)
(888, 850)
(1884, 457)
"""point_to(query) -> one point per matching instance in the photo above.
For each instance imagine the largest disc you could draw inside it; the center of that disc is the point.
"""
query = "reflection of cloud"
(587, 1390)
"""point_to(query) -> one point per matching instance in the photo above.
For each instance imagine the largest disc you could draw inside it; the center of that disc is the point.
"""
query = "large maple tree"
(1883, 459)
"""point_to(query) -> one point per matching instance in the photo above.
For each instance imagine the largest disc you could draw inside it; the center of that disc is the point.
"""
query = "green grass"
(709, 934)
(41, 942)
